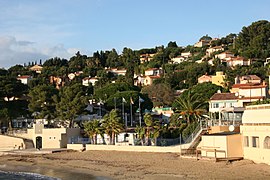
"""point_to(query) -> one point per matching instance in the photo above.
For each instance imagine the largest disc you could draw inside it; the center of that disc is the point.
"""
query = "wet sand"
(131, 165)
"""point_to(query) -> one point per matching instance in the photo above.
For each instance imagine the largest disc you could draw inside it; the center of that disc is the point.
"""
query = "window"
(266, 143)
(246, 141)
(215, 105)
(255, 142)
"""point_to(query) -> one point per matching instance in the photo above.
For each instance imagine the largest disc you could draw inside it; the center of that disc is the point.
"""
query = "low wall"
(76, 147)
(10, 143)
(172, 149)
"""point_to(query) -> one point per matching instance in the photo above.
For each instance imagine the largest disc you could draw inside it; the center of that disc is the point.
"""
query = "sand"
(131, 165)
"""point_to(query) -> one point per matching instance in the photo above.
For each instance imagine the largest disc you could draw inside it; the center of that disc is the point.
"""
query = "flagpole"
(140, 118)
(131, 119)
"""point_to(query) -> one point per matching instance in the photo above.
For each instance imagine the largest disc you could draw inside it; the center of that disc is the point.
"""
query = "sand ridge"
(137, 165)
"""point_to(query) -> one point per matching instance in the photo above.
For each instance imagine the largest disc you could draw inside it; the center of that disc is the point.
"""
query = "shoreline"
(131, 165)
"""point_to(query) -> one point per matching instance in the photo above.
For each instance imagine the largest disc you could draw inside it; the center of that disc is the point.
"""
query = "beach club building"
(49, 137)
(255, 132)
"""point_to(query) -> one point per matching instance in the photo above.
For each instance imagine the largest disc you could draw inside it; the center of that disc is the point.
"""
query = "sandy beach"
(131, 165)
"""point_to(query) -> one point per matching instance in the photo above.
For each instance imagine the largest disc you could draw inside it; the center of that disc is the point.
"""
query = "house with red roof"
(24, 79)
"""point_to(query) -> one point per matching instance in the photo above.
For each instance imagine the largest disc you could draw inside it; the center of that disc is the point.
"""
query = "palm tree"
(92, 129)
(191, 106)
(112, 125)
(141, 132)
(148, 120)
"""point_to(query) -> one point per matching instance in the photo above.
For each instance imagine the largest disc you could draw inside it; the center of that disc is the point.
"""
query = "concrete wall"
(214, 142)
(173, 149)
(10, 143)
(76, 147)
(257, 154)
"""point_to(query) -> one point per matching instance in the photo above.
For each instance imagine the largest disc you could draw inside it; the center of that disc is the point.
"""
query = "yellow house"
(218, 79)
(256, 133)
(36, 68)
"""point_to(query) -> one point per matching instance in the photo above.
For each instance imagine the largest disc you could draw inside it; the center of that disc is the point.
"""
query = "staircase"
(194, 139)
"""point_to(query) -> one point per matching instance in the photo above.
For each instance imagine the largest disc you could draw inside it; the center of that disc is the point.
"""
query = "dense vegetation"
(41, 98)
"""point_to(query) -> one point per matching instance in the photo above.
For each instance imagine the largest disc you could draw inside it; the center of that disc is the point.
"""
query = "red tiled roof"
(23, 77)
(224, 96)
(248, 86)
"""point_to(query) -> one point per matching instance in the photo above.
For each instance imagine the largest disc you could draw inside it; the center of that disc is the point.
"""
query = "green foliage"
(191, 106)
(189, 130)
(42, 101)
(71, 102)
(265, 101)
(11, 87)
(254, 41)
(206, 38)
(160, 94)
(112, 125)
(92, 129)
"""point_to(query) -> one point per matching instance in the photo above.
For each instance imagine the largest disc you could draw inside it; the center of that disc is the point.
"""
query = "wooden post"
(215, 151)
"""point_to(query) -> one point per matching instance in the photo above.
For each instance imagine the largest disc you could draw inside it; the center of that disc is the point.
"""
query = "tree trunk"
(71, 124)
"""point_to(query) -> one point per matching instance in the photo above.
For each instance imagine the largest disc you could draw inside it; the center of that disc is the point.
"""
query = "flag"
(124, 100)
(131, 100)
(141, 99)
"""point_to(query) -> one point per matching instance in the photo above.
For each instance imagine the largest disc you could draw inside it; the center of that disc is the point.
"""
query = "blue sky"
(31, 30)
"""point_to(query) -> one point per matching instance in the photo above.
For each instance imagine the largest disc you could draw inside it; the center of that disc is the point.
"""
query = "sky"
(31, 30)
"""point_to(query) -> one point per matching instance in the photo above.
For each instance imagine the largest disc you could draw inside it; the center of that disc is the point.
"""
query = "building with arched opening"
(255, 130)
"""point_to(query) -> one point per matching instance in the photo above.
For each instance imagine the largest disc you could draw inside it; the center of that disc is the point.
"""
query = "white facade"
(153, 72)
(24, 79)
(88, 80)
(178, 59)
(256, 133)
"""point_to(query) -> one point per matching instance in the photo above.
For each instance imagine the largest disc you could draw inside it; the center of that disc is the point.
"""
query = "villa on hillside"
(240, 61)
(218, 79)
(117, 71)
(36, 68)
(153, 72)
(205, 78)
(225, 108)
(87, 80)
(202, 43)
(211, 50)
(24, 79)
(71, 76)
(224, 55)
(146, 57)
(178, 60)
(248, 79)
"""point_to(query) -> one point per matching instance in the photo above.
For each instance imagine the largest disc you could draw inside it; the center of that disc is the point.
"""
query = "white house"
(224, 55)
(24, 79)
(86, 81)
(153, 72)
(117, 71)
(234, 61)
(178, 60)
(211, 50)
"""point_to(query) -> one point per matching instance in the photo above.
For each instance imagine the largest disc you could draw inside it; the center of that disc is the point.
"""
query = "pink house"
(205, 78)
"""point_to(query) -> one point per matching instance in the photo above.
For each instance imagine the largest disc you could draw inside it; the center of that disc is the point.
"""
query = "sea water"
(23, 176)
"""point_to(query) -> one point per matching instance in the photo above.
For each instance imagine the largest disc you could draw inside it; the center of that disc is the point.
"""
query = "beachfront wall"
(256, 133)
(10, 143)
(173, 149)
(226, 146)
